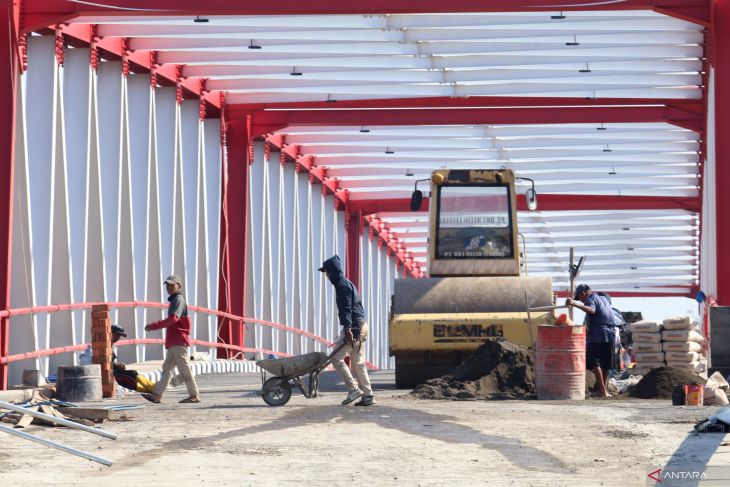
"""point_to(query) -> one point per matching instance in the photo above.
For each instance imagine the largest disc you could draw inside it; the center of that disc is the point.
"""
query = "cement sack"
(646, 326)
(681, 346)
(681, 336)
(719, 398)
(716, 390)
(682, 356)
(640, 347)
(642, 358)
(678, 323)
(688, 366)
(647, 337)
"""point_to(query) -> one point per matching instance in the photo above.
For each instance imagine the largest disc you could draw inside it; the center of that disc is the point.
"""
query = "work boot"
(366, 401)
(351, 396)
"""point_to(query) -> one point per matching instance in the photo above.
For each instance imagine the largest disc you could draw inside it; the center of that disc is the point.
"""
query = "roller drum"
(470, 294)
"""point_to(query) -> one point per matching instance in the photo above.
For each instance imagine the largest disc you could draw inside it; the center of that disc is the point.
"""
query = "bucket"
(695, 394)
(678, 396)
(561, 362)
(79, 383)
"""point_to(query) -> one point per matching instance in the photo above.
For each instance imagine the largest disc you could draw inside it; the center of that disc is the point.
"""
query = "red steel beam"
(85, 35)
(393, 246)
(552, 202)
(9, 58)
(234, 222)
(721, 62)
(270, 121)
(45, 12)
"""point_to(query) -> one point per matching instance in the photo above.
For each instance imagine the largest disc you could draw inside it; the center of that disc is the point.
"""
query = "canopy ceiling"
(277, 61)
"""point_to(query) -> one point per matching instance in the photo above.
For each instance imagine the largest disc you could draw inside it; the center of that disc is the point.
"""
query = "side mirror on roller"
(531, 198)
(416, 200)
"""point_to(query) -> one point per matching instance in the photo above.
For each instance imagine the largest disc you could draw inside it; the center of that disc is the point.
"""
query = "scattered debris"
(49, 415)
(42, 403)
(101, 413)
(499, 369)
(717, 423)
(625, 434)
(658, 383)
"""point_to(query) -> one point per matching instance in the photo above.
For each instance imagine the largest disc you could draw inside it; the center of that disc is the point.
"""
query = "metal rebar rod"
(547, 308)
(54, 419)
(53, 444)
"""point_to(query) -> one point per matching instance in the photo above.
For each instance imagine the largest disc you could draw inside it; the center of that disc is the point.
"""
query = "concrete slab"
(234, 439)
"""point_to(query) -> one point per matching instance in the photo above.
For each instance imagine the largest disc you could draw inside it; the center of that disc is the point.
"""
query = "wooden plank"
(26, 419)
(99, 414)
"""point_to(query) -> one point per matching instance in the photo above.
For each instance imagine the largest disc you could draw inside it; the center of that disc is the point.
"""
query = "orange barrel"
(561, 362)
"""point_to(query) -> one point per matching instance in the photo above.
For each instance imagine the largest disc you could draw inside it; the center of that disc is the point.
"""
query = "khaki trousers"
(357, 357)
(177, 356)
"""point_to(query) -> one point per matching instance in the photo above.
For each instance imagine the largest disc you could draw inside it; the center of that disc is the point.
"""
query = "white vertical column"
(189, 199)
(274, 252)
(288, 238)
(76, 75)
(257, 237)
(109, 102)
(212, 172)
(61, 328)
(125, 229)
(40, 120)
(140, 131)
(159, 212)
(22, 290)
(303, 259)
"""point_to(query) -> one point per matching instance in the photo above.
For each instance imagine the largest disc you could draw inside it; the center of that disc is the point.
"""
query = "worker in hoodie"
(177, 343)
(354, 334)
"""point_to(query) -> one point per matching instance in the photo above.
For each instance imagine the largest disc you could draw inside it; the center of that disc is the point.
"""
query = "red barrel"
(561, 362)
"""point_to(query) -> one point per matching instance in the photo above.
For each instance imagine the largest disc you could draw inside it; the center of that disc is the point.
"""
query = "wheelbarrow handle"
(337, 349)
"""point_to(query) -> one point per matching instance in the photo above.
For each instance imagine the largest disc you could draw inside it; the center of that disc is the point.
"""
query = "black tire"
(276, 391)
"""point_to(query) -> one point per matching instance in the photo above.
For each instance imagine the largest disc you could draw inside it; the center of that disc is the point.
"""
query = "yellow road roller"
(475, 291)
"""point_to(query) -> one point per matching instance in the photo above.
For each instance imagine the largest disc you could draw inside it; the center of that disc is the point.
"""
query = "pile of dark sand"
(499, 369)
(658, 383)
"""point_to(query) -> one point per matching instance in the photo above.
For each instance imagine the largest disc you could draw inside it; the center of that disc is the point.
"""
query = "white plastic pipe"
(53, 444)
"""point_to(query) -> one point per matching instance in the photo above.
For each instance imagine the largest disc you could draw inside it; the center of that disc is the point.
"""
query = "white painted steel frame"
(116, 186)
(293, 227)
(644, 251)
(604, 54)
(646, 159)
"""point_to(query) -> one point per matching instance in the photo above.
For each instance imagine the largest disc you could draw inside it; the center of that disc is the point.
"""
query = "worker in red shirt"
(177, 343)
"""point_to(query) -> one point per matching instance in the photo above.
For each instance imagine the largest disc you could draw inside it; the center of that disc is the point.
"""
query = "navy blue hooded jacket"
(349, 306)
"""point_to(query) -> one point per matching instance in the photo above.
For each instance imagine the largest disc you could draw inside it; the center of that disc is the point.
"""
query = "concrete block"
(32, 377)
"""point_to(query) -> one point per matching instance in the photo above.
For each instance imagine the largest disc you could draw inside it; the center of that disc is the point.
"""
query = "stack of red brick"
(101, 346)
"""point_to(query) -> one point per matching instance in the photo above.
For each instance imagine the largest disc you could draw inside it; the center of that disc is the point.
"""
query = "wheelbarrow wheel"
(276, 391)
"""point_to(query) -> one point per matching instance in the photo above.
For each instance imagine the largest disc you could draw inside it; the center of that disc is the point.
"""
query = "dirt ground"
(235, 439)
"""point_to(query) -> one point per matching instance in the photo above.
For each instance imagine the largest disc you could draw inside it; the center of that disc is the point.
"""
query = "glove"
(349, 338)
